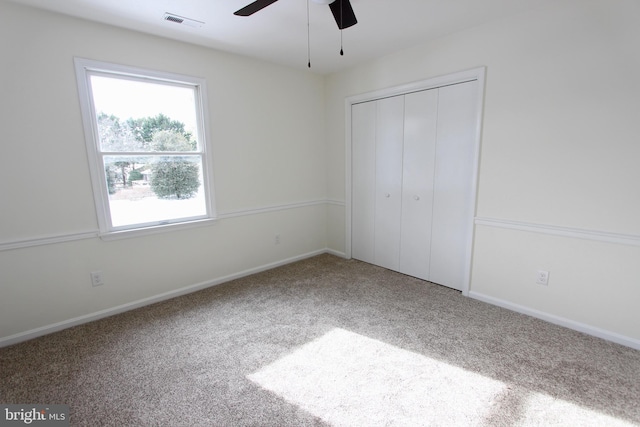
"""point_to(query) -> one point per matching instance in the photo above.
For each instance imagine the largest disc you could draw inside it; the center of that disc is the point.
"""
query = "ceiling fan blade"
(252, 8)
(343, 13)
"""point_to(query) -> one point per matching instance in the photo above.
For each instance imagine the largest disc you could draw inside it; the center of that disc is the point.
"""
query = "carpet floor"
(325, 342)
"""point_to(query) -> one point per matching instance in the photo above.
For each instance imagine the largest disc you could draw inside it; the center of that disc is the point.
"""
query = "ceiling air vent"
(182, 20)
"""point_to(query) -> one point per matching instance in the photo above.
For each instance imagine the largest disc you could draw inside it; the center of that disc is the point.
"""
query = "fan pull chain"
(341, 27)
(308, 38)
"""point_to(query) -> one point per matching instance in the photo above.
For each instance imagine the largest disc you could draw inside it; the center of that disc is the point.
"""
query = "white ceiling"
(278, 33)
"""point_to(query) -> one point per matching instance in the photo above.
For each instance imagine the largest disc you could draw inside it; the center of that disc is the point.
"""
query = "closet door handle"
(387, 195)
(416, 198)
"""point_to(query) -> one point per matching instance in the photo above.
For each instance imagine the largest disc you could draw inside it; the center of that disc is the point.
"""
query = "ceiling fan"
(341, 9)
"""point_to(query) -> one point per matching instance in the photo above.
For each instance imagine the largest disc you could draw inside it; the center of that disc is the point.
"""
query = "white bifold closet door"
(453, 179)
(420, 127)
(412, 163)
(388, 182)
(363, 177)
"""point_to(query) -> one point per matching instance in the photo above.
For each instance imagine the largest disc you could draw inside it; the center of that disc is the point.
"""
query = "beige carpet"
(321, 342)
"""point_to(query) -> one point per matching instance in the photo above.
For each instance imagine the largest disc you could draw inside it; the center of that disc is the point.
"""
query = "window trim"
(85, 68)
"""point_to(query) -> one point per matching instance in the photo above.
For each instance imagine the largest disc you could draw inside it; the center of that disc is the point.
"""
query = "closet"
(413, 165)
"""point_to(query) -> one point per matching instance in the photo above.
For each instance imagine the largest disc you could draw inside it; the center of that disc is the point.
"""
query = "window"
(147, 146)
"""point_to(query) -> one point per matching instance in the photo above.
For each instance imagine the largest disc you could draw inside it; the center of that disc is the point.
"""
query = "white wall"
(560, 154)
(267, 127)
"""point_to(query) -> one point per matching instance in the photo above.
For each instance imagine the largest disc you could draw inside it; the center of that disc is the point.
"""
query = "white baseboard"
(561, 321)
(55, 327)
(336, 253)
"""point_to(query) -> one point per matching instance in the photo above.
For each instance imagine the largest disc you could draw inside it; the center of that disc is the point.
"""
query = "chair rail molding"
(554, 230)
(90, 234)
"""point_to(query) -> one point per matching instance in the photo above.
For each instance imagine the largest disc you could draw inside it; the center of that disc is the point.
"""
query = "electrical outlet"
(542, 277)
(277, 239)
(96, 278)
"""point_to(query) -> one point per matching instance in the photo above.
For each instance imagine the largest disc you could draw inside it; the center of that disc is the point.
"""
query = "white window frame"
(85, 68)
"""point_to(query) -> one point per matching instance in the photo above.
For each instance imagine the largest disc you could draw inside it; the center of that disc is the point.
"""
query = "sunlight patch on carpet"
(347, 379)
(544, 410)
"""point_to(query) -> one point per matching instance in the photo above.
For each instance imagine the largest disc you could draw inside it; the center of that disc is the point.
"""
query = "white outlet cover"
(542, 277)
(96, 278)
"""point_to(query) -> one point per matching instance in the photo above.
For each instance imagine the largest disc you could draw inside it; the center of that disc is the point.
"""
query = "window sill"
(147, 231)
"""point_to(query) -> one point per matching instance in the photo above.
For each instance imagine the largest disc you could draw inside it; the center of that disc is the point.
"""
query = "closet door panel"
(388, 183)
(363, 169)
(452, 208)
(421, 112)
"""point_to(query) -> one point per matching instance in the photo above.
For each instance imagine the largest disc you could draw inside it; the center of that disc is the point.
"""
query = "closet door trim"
(476, 74)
